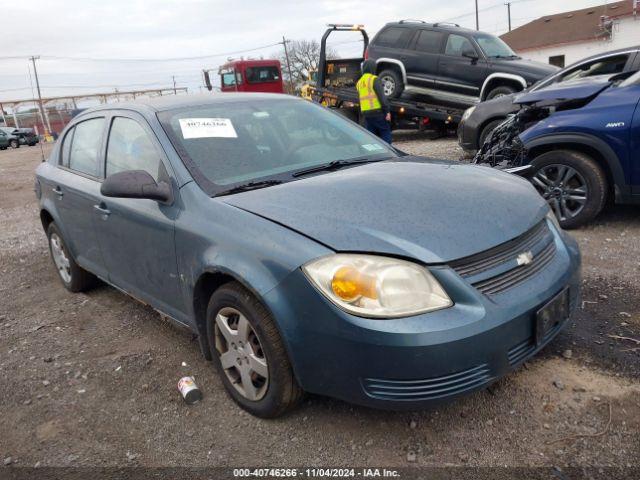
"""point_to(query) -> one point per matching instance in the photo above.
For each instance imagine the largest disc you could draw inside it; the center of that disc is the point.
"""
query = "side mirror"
(470, 53)
(136, 184)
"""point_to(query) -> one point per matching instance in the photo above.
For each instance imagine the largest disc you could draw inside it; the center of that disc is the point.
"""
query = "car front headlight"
(467, 113)
(377, 287)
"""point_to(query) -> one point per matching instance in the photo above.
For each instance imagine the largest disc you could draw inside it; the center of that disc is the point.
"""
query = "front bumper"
(466, 139)
(422, 360)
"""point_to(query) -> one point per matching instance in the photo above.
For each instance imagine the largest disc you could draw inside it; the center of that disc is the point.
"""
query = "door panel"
(137, 235)
(75, 188)
(421, 61)
(458, 74)
(634, 150)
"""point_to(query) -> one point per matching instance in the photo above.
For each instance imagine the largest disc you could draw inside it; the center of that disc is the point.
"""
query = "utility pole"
(43, 113)
(508, 4)
(175, 92)
(4, 120)
(286, 54)
(477, 17)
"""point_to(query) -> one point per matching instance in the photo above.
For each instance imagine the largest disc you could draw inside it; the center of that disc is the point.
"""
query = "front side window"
(457, 45)
(262, 74)
(231, 78)
(603, 66)
(131, 148)
(493, 47)
(236, 142)
(85, 146)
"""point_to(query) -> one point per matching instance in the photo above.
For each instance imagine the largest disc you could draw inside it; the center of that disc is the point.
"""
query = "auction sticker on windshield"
(207, 128)
(372, 147)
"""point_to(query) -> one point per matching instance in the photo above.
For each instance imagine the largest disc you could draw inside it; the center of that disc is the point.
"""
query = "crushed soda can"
(189, 390)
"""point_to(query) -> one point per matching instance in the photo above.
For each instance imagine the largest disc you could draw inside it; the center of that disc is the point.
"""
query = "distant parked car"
(4, 140)
(582, 140)
(14, 140)
(479, 121)
(26, 136)
(257, 221)
(451, 65)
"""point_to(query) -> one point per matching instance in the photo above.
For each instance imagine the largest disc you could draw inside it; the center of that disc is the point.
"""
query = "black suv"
(450, 64)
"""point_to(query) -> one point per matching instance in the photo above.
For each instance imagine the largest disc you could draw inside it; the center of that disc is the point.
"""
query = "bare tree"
(304, 56)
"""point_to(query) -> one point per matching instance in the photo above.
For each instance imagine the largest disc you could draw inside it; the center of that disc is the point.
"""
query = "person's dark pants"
(379, 126)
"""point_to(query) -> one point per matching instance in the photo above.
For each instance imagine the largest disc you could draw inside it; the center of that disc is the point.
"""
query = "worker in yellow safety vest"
(374, 106)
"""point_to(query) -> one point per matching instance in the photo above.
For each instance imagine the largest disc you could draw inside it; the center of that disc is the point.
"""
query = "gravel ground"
(90, 379)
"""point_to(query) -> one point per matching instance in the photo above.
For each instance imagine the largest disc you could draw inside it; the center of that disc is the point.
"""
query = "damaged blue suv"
(582, 139)
(305, 253)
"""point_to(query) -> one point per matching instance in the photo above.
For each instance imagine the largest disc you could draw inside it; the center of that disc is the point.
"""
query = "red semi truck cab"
(251, 76)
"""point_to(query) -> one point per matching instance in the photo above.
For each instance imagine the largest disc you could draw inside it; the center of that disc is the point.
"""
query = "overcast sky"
(153, 29)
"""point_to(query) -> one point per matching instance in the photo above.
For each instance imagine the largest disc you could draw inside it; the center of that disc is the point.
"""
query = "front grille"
(538, 240)
(428, 389)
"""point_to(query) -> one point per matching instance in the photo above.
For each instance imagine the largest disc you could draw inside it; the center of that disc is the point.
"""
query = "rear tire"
(73, 277)
(486, 131)
(572, 183)
(242, 335)
(500, 91)
(391, 83)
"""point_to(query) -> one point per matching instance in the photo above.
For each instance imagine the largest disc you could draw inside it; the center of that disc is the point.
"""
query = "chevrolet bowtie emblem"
(525, 258)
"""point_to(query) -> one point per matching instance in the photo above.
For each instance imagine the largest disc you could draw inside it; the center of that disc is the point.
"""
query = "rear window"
(393, 37)
(262, 74)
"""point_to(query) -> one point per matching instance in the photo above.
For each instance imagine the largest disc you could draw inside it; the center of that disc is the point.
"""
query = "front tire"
(14, 144)
(392, 84)
(73, 277)
(572, 183)
(500, 91)
(249, 354)
(486, 131)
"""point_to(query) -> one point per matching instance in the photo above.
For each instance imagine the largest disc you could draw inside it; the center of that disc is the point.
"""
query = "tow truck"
(335, 88)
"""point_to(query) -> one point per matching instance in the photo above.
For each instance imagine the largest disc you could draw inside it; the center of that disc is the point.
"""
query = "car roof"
(176, 102)
(610, 53)
(439, 25)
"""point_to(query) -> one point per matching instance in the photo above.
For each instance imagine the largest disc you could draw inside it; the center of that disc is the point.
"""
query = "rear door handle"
(102, 209)
(58, 191)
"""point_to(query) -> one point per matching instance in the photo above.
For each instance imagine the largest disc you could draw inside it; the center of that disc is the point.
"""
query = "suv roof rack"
(411, 20)
(437, 24)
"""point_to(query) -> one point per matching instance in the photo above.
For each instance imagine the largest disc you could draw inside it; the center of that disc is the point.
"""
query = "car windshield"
(494, 47)
(233, 143)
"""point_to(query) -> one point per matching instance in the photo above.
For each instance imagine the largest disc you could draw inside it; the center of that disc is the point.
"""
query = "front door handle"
(58, 191)
(102, 209)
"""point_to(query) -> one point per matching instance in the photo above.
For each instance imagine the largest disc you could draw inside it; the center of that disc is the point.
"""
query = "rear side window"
(395, 37)
(262, 74)
(85, 146)
(66, 148)
(131, 148)
(457, 44)
(428, 41)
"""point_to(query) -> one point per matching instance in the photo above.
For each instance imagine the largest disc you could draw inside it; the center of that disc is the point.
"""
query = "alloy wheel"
(60, 258)
(241, 354)
(388, 85)
(564, 188)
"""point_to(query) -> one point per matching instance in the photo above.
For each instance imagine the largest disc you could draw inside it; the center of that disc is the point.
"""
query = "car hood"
(528, 68)
(433, 211)
(572, 90)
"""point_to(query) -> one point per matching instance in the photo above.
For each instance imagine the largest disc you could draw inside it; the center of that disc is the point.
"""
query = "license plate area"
(551, 315)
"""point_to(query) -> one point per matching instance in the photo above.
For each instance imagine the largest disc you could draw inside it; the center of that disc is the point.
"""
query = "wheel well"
(45, 219)
(208, 283)
(501, 82)
(388, 66)
(584, 149)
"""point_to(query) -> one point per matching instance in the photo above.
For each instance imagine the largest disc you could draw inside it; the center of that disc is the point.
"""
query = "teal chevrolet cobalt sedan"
(306, 254)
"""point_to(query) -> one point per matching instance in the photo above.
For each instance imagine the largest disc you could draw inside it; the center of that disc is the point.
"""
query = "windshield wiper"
(245, 187)
(335, 165)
